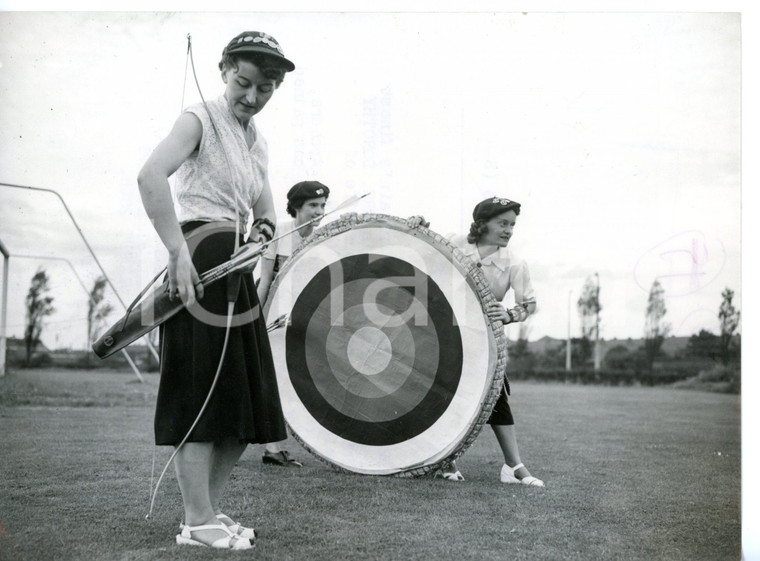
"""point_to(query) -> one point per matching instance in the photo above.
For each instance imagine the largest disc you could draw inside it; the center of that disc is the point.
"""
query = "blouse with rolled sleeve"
(503, 270)
(279, 250)
(206, 187)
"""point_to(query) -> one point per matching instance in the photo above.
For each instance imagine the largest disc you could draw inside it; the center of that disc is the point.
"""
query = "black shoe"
(281, 458)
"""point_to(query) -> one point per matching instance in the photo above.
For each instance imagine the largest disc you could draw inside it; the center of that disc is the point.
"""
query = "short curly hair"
(479, 228)
(269, 66)
(292, 208)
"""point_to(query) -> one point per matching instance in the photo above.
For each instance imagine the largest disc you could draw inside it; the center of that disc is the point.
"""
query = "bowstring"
(236, 195)
(230, 305)
(151, 493)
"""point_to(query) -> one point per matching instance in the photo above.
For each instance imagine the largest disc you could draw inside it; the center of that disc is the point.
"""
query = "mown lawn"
(631, 473)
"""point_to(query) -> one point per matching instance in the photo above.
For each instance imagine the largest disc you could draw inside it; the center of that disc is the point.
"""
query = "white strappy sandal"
(448, 471)
(508, 476)
(241, 531)
(450, 475)
(230, 541)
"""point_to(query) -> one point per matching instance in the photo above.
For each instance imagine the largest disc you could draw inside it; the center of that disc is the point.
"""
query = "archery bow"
(231, 269)
(250, 253)
(232, 289)
(126, 330)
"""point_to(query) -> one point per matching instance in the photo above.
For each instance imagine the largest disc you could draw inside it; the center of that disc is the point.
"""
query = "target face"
(386, 357)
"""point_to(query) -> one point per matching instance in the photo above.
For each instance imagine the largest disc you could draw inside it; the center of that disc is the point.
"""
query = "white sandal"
(450, 475)
(508, 476)
(241, 531)
(230, 541)
(448, 471)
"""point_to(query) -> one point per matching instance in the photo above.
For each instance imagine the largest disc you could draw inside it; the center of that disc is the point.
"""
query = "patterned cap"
(493, 206)
(258, 42)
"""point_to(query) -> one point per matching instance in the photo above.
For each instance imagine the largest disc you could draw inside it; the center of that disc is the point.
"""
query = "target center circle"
(369, 350)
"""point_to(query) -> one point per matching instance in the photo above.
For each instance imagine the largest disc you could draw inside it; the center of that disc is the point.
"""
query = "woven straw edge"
(483, 292)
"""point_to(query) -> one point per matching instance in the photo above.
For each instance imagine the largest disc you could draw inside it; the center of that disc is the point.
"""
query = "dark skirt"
(502, 412)
(245, 404)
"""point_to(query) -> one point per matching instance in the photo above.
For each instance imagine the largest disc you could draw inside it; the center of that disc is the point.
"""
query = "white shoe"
(229, 541)
(448, 471)
(242, 531)
(450, 475)
(508, 476)
(237, 529)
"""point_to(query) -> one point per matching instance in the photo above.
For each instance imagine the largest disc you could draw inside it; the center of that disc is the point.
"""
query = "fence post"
(4, 308)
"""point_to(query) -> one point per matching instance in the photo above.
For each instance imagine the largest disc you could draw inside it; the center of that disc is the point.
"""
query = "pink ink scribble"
(684, 264)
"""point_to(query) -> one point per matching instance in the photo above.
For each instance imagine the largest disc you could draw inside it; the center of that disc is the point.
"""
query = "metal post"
(87, 292)
(4, 311)
(86, 243)
(597, 353)
(51, 258)
(568, 349)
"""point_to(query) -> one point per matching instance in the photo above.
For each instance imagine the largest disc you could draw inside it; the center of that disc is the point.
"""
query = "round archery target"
(386, 356)
(351, 395)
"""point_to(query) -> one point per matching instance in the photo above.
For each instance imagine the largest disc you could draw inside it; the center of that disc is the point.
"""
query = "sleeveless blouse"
(206, 187)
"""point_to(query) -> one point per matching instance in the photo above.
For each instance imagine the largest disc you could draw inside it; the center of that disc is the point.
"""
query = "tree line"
(723, 347)
(39, 305)
(718, 347)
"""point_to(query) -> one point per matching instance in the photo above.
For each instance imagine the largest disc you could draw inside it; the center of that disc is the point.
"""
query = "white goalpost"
(6, 258)
(4, 312)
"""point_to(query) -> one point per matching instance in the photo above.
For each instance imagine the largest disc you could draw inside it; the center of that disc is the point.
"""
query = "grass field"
(631, 473)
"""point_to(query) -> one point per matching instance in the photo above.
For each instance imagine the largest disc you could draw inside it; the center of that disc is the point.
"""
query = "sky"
(620, 134)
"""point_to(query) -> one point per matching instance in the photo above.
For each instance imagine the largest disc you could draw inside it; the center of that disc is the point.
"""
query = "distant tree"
(729, 321)
(97, 310)
(38, 306)
(703, 345)
(554, 357)
(524, 328)
(589, 308)
(519, 348)
(622, 357)
(581, 350)
(617, 358)
(655, 327)
(520, 356)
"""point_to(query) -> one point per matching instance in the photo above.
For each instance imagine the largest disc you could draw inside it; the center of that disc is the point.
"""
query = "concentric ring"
(372, 420)
(387, 358)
